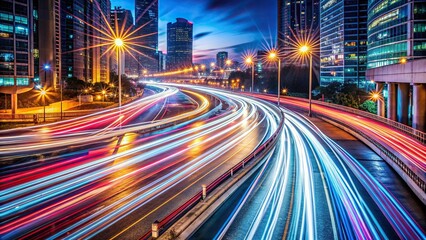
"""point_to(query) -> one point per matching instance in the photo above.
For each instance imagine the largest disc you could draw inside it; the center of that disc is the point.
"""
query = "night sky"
(231, 25)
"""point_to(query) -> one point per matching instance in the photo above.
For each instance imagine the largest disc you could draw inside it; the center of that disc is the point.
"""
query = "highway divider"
(159, 227)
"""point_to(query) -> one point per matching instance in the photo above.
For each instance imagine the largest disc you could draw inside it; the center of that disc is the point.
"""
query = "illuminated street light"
(273, 55)
(306, 50)
(250, 61)
(43, 96)
(103, 95)
(46, 68)
(118, 42)
(403, 61)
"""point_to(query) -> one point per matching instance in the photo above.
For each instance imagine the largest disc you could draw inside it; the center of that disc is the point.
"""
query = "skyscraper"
(343, 41)
(124, 19)
(16, 44)
(79, 58)
(221, 58)
(47, 42)
(147, 20)
(179, 44)
(296, 18)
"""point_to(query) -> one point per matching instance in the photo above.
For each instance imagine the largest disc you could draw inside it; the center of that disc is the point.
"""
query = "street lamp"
(273, 55)
(43, 96)
(249, 60)
(306, 50)
(46, 68)
(377, 97)
(118, 45)
(103, 95)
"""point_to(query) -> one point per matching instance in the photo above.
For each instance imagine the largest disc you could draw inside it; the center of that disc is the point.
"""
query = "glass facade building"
(343, 41)
(179, 44)
(79, 22)
(146, 15)
(124, 20)
(221, 58)
(16, 43)
(296, 18)
(396, 31)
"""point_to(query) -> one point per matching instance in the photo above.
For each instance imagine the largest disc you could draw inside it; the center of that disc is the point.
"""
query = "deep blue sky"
(231, 25)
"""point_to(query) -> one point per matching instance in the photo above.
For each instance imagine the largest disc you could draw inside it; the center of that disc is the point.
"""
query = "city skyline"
(218, 24)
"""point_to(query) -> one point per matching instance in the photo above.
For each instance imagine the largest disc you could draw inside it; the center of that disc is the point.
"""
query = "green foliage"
(346, 99)
(369, 106)
(75, 84)
(344, 94)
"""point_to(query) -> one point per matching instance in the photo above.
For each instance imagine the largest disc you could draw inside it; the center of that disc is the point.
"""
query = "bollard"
(204, 191)
(155, 230)
(244, 164)
(232, 172)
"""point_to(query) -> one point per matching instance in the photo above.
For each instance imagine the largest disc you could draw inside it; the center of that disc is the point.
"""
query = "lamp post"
(61, 82)
(306, 50)
(43, 95)
(103, 95)
(377, 97)
(249, 60)
(273, 55)
(118, 45)
(46, 68)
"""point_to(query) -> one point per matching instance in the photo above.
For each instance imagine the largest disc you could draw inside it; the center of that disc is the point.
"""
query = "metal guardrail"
(412, 132)
(170, 219)
(39, 117)
(417, 176)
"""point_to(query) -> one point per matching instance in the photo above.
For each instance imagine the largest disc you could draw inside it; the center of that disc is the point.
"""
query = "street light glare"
(249, 60)
(46, 66)
(272, 55)
(118, 42)
(43, 92)
(304, 49)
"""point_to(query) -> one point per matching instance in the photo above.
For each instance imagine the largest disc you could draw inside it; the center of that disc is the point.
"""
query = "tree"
(75, 84)
(369, 106)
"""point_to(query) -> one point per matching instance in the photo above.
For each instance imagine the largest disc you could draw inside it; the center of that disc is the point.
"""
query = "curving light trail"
(313, 184)
(86, 196)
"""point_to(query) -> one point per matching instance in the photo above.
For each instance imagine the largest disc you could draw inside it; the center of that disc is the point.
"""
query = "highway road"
(112, 174)
(402, 144)
(310, 188)
(111, 181)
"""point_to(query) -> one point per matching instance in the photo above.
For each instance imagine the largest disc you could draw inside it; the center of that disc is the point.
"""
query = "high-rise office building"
(179, 44)
(296, 18)
(221, 58)
(79, 20)
(47, 43)
(162, 60)
(396, 57)
(147, 20)
(124, 19)
(16, 45)
(343, 41)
